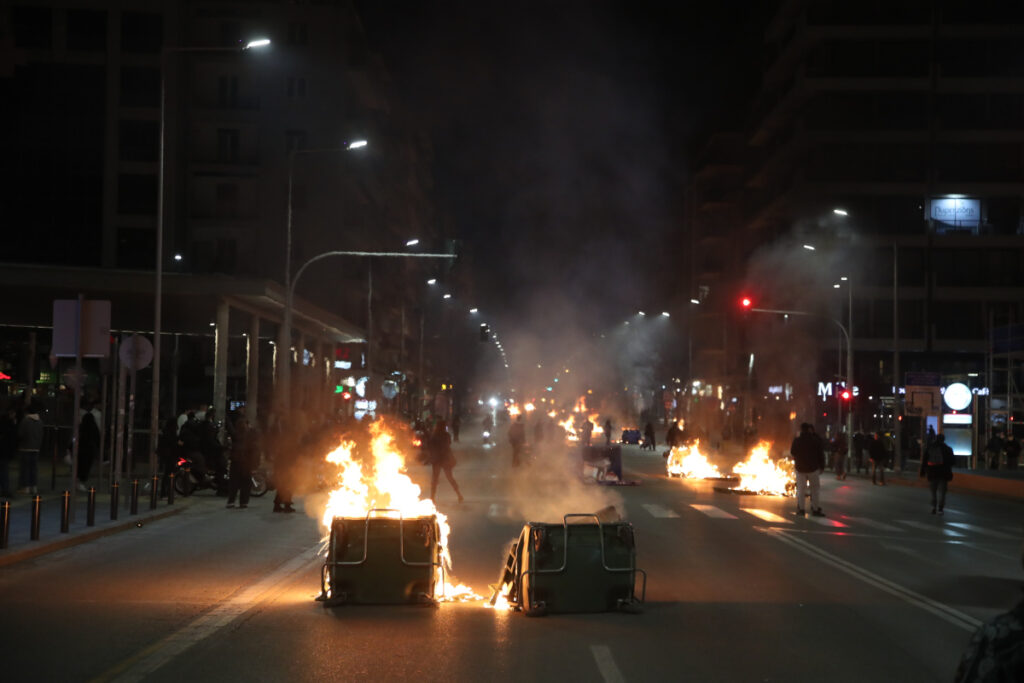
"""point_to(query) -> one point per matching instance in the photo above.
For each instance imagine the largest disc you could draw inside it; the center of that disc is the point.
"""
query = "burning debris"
(374, 497)
(690, 463)
(760, 475)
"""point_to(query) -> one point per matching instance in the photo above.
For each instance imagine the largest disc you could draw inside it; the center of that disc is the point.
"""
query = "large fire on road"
(689, 462)
(761, 475)
(378, 480)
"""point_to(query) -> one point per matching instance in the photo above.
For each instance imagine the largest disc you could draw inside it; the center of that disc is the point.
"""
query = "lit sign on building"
(957, 211)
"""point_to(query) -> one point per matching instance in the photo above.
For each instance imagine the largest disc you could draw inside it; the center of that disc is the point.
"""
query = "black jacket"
(937, 452)
(808, 453)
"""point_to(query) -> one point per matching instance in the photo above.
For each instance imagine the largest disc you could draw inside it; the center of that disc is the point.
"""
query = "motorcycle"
(187, 481)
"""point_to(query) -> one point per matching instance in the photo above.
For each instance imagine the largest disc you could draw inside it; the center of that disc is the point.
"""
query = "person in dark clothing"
(211, 447)
(994, 451)
(8, 446)
(608, 432)
(937, 465)
(30, 440)
(244, 459)
(878, 454)
(538, 431)
(1012, 450)
(167, 451)
(517, 438)
(456, 427)
(88, 446)
(442, 459)
(672, 436)
(283, 452)
(190, 439)
(649, 442)
(996, 651)
(858, 450)
(588, 432)
(808, 453)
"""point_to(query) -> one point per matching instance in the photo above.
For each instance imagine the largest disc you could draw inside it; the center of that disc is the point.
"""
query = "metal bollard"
(170, 488)
(5, 523)
(154, 490)
(135, 497)
(90, 508)
(115, 497)
(65, 512)
(37, 504)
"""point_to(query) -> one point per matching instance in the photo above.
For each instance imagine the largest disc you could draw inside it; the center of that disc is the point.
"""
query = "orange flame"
(689, 462)
(379, 482)
(760, 474)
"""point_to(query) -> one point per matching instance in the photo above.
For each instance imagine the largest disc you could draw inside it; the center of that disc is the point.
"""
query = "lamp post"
(286, 329)
(154, 418)
(283, 398)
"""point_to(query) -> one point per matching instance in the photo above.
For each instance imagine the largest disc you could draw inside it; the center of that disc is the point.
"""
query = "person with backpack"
(937, 465)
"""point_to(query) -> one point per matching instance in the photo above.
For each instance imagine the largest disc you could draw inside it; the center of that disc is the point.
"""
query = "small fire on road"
(760, 475)
(689, 462)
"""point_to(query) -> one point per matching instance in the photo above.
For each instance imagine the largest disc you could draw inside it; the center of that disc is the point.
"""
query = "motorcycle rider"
(190, 440)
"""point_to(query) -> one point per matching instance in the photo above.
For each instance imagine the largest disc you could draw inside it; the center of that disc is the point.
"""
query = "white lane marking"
(982, 530)
(712, 511)
(606, 664)
(826, 521)
(209, 623)
(945, 612)
(931, 527)
(881, 526)
(767, 516)
(660, 511)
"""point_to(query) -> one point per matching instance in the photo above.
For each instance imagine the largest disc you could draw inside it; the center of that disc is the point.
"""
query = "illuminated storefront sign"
(956, 211)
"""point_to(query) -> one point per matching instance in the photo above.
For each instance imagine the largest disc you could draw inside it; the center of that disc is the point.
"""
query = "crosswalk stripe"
(659, 511)
(983, 530)
(881, 526)
(712, 511)
(931, 527)
(767, 516)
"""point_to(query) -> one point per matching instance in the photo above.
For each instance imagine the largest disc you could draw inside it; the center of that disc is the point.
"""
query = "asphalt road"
(739, 590)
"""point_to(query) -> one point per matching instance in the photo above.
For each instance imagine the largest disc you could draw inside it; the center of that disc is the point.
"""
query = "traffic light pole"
(849, 363)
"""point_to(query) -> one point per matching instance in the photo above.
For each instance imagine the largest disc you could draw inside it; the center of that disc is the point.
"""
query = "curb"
(20, 555)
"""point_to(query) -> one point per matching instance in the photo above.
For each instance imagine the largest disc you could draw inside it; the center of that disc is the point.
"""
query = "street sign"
(136, 352)
(95, 327)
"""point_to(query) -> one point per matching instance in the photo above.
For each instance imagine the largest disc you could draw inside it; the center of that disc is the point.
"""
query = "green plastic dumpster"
(580, 565)
(381, 559)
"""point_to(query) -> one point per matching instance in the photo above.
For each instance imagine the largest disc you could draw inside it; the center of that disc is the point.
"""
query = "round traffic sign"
(136, 352)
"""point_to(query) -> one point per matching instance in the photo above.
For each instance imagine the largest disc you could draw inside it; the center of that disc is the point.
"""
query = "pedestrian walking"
(937, 466)
(588, 432)
(879, 456)
(809, 462)
(859, 445)
(442, 459)
(88, 445)
(8, 446)
(30, 439)
(1012, 450)
(994, 450)
(517, 438)
(649, 443)
(608, 432)
(244, 459)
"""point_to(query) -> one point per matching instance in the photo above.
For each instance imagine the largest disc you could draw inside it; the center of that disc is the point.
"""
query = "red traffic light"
(746, 302)
(845, 394)
(345, 395)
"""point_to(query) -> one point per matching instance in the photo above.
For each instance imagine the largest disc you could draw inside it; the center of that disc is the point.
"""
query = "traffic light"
(845, 394)
(746, 303)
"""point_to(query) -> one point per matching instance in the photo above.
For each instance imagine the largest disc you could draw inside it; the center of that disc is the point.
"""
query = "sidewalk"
(19, 544)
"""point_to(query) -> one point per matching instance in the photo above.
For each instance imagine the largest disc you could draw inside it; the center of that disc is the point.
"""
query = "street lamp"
(284, 370)
(154, 417)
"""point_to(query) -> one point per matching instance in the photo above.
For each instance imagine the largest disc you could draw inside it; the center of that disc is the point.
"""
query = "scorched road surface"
(739, 590)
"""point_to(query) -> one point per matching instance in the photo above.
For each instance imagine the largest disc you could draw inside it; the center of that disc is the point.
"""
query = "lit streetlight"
(412, 242)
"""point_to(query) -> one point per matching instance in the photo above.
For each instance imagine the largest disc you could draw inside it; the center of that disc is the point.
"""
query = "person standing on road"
(30, 439)
(244, 458)
(441, 458)
(994, 450)
(517, 438)
(456, 427)
(841, 452)
(937, 464)
(809, 462)
(588, 432)
(649, 442)
(608, 432)
(878, 455)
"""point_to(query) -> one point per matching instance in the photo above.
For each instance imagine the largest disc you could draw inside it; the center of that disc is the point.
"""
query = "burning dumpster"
(383, 558)
(580, 565)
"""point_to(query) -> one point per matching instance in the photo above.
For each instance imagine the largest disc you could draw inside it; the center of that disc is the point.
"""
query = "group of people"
(21, 437)
(1000, 447)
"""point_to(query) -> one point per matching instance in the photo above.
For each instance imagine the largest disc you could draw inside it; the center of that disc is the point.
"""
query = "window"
(87, 30)
(142, 32)
(294, 139)
(296, 86)
(139, 140)
(227, 91)
(298, 34)
(136, 194)
(136, 247)
(140, 86)
(227, 145)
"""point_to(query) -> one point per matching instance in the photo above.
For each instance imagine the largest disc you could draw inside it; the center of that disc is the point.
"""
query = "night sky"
(562, 133)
